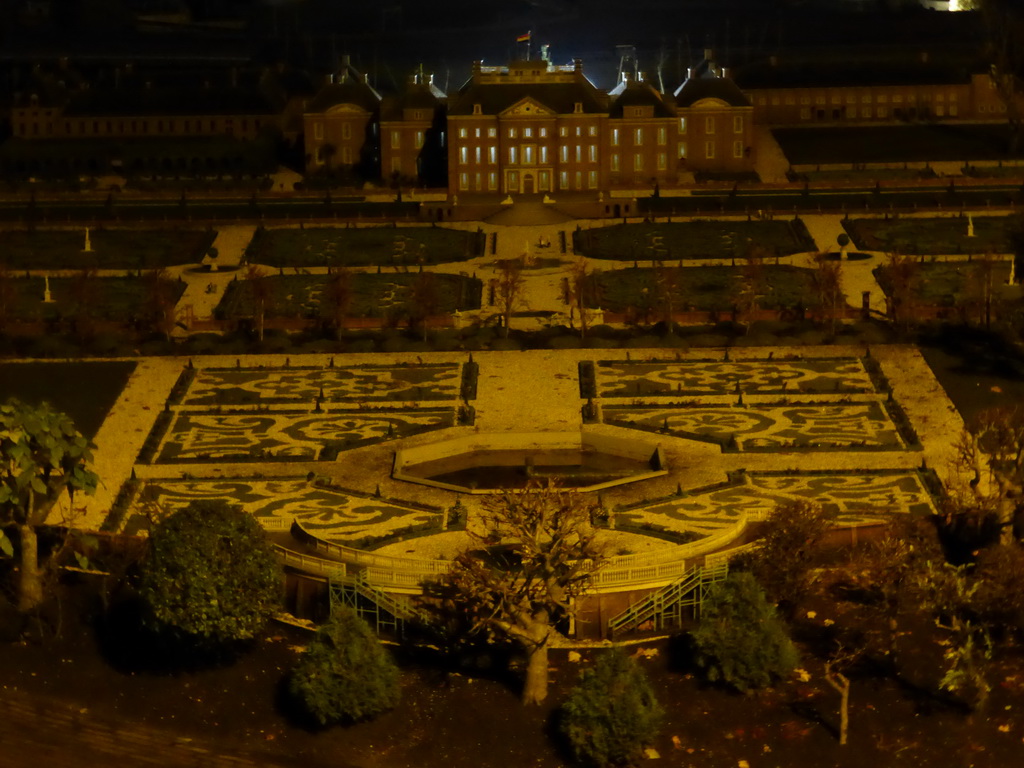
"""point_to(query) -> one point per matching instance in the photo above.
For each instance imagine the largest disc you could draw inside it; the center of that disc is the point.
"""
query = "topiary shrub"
(210, 576)
(740, 640)
(345, 674)
(611, 714)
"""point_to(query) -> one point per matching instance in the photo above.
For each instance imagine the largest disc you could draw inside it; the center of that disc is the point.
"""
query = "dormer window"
(477, 109)
(578, 107)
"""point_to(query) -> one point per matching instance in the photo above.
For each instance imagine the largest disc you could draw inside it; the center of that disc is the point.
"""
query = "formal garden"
(363, 246)
(130, 249)
(649, 291)
(698, 239)
(377, 295)
(933, 236)
(781, 638)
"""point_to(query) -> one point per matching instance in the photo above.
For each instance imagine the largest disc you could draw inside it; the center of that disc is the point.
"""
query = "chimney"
(577, 65)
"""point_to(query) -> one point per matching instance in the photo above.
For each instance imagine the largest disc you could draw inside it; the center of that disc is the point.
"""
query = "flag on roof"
(523, 38)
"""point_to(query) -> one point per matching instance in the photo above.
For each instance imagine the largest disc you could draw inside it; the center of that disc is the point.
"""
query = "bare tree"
(979, 295)
(668, 283)
(902, 276)
(536, 553)
(508, 290)
(752, 285)
(581, 292)
(160, 293)
(836, 667)
(828, 282)
(336, 300)
(84, 299)
(423, 301)
(994, 446)
(261, 293)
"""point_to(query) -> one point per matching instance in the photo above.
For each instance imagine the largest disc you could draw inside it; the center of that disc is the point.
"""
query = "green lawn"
(703, 288)
(365, 246)
(693, 240)
(932, 235)
(112, 248)
(373, 295)
(116, 299)
(949, 284)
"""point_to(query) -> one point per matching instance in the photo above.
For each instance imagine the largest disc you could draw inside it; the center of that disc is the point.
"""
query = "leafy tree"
(612, 713)
(740, 640)
(210, 574)
(43, 458)
(790, 535)
(537, 552)
(345, 674)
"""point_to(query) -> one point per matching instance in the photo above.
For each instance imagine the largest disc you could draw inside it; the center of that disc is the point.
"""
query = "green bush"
(740, 640)
(345, 675)
(210, 575)
(612, 713)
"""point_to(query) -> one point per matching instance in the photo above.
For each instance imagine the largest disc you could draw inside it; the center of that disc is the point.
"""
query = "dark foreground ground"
(64, 701)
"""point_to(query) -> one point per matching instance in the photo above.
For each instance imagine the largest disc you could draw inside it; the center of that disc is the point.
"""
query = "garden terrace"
(692, 240)
(962, 284)
(363, 246)
(710, 289)
(814, 426)
(373, 295)
(61, 249)
(120, 300)
(932, 236)
(627, 378)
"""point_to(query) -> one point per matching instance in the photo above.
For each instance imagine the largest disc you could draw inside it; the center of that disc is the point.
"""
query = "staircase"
(664, 608)
(383, 612)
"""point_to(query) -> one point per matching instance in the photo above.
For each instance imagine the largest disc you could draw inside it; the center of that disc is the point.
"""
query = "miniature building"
(342, 125)
(413, 134)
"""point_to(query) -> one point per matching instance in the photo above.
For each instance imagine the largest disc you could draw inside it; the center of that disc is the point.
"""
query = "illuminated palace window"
(564, 152)
(513, 155)
(662, 161)
(662, 136)
(615, 163)
(682, 125)
(492, 155)
(529, 156)
(419, 139)
(593, 153)
(592, 180)
(638, 162)
(463, 155)
(396, 139)
(463, 133)
(544, 154)
(615, 137)
(709, 149)
(638, 136)
(682, 149)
